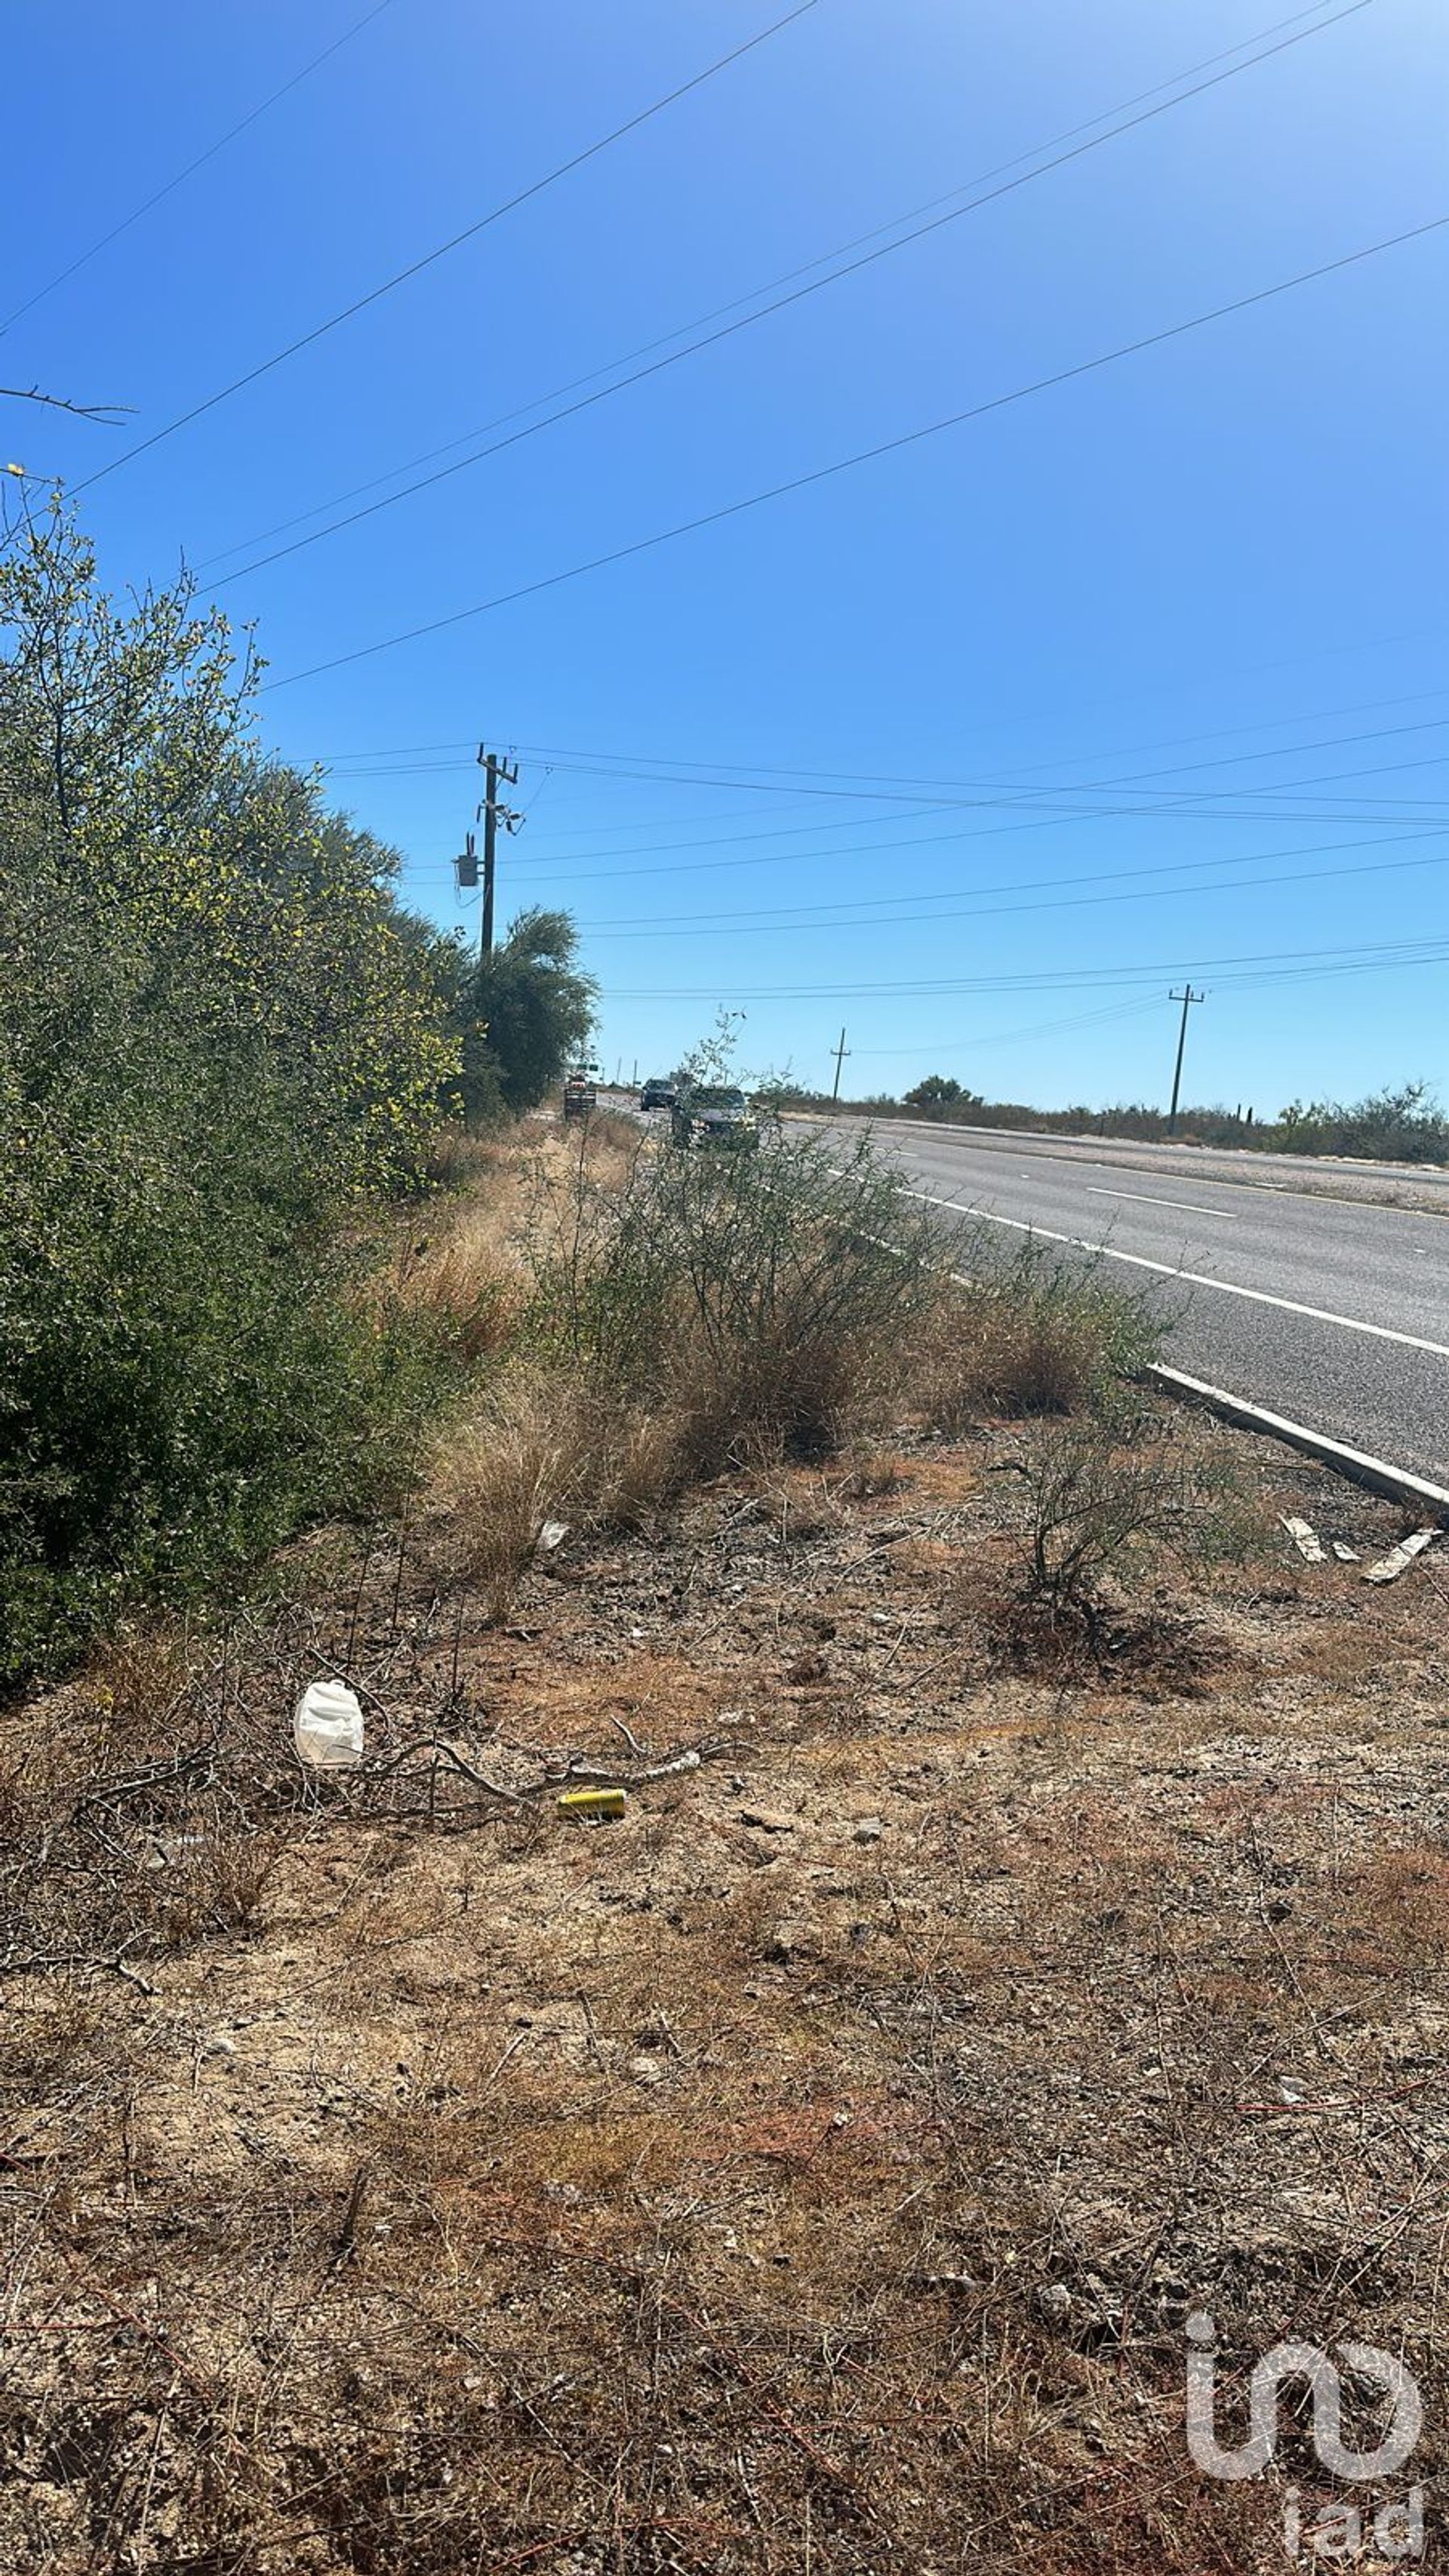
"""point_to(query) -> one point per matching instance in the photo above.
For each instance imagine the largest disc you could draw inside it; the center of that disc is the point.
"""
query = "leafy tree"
(525, 1013)
(219, 1034)
(938, 1091)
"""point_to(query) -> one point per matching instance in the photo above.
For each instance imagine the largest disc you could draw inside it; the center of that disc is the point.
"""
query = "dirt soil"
(812, 2170)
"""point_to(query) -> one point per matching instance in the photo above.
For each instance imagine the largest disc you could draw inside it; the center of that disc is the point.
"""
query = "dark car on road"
(712, 1114)
(658, 1093)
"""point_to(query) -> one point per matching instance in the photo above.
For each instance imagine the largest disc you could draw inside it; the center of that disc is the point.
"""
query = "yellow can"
(591, 1802)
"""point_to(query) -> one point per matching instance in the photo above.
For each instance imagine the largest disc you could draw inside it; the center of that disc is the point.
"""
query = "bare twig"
(106, 415)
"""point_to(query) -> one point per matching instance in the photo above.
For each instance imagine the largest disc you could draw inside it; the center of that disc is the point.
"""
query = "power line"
(958, 1046)
(1265, 966)
(1417, 826)
(864, 456)
(1423, 827)
(806, 916)
(985, 789)
(653, 767)
(570, 871)
(991, 793)
(797, 295)
(430, 258)
(1427, 828)
(865, 779)
(338, 761)
(103, 243)
(568, 868)
(699, 322)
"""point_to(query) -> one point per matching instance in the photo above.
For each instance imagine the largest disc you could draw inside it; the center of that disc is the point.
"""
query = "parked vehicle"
(579, 1096)
(713, 1115)
(658, 1093)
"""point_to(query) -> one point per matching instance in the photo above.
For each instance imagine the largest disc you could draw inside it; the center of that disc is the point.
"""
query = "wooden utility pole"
(841, 1052)
(495, 771)
(1187, 998)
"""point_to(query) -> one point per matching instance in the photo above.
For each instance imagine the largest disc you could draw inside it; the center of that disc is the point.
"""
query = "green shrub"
(220, 1041)
(763, 1295)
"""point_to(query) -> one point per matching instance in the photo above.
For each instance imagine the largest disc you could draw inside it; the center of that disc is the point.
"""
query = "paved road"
(1334, 1313)
(1320, 1175)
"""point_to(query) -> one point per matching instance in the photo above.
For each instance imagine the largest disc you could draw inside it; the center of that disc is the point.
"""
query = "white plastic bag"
(327, 1727)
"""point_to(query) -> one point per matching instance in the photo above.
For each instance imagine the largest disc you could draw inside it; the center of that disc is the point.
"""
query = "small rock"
(1055, 2302)
(869, 1830)
(767, 1820)
(646, 2070)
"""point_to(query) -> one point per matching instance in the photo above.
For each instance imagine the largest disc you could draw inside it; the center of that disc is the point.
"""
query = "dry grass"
(624, 1371)
(1018, 1340)
(462, 1161)
(543, 1446)
(464, 1278)
(610, 1133)
(811, 2172)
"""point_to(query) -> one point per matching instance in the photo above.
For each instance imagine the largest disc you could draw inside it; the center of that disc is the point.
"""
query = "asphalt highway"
(1333, 1312)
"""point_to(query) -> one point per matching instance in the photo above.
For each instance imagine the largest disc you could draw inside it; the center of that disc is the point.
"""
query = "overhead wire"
(341, 762)
(443, 250)
(797, 295)
(959, 1046)
(83, 258)
(807, 916)
(863, 456)
(700, 322)
(1229, 973)
(568, 869)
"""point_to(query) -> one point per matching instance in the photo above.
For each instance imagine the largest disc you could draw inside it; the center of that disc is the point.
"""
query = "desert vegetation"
(1026, 1898)
(1399, 1124)
(226, 1047)
(656, 1320)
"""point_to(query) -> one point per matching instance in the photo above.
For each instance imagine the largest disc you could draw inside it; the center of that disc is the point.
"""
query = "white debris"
(327, 1727)
(1345, 1554)
(1304, 1538)
(552, 1535)
(1390, 1567)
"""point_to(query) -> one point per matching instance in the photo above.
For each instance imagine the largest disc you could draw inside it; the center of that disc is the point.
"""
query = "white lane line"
(1193, 1278)
(1146, 1198)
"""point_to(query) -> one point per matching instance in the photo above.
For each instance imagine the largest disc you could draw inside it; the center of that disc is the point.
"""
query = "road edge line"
(1398, 1483)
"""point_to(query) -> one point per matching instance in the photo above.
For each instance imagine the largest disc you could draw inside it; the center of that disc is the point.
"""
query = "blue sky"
(974, 749)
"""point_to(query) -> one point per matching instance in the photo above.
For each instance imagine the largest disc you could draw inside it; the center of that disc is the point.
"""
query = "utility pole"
(841, 1052)
(1187, 997)
(495, 771)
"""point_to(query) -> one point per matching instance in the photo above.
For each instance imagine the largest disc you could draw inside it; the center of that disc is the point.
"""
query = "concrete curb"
(1376, 1473)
